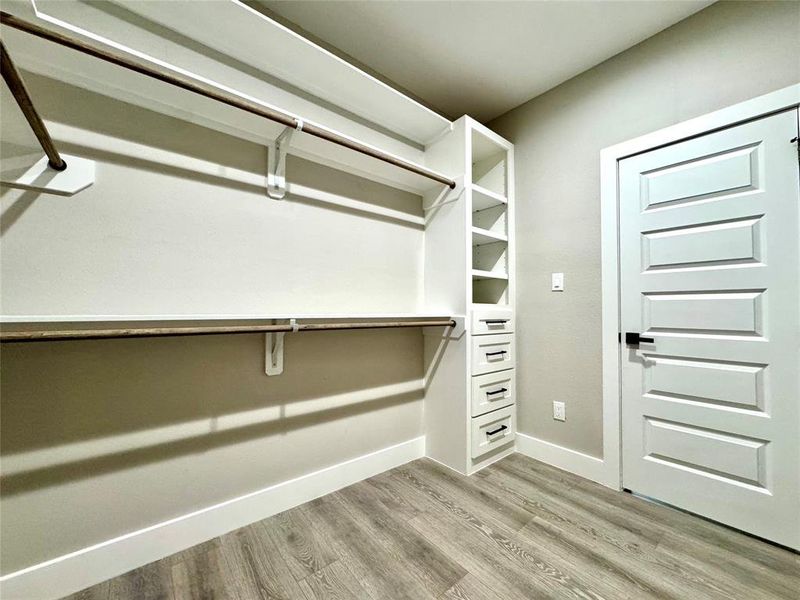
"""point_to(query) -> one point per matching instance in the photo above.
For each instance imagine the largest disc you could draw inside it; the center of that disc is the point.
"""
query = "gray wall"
(101, 438)
(727, 53)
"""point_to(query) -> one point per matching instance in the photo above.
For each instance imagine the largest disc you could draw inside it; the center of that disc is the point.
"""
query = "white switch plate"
(557, 282)
(559, 411)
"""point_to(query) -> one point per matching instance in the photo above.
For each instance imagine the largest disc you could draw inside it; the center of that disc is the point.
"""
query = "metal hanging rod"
(147, 332)
(188, 83)
(23, 98)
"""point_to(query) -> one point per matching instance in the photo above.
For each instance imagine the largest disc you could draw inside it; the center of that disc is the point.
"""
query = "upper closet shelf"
(247, 35)
(245, 55)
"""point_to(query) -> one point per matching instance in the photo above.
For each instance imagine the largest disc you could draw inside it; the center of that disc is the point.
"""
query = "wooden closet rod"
(98, 334)
(187, 83)
(23, 98)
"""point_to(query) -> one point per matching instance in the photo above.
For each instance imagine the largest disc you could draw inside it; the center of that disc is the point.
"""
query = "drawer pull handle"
(500, 391)
(495, 321)
(498, 430)
(496, 353)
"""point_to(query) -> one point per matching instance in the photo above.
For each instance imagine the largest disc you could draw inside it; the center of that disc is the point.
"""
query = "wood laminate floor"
(519, 529)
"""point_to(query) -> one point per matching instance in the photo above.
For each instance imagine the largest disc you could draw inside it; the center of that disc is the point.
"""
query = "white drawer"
(492, 353)
(492, 391)
(493, 430)
(492, 320)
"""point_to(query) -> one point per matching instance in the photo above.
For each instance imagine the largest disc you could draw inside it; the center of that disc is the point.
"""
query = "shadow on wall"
(76, 410)
(130, 432)
(241, 166)
(13, 213)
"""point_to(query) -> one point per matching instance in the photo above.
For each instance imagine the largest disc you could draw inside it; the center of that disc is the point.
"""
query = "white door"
(710, 271)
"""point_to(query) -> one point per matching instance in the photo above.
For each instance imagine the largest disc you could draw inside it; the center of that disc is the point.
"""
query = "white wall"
(179, 222)
(100, 438)
(727, 53)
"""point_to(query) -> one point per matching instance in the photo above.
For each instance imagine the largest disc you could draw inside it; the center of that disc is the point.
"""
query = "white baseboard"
(583, 465)
(72, 572)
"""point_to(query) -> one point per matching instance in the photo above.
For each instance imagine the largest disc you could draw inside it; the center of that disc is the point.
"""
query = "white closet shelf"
(134, 41)
(8, 320)
(483, 198)
(484, 236)
(483, 305)
(245, 34)
(477, 275)
(121, 326)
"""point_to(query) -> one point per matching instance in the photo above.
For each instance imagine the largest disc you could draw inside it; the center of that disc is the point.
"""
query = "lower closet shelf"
(84, 330)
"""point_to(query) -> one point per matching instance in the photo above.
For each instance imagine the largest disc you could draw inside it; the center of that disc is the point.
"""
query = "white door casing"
(710, 269)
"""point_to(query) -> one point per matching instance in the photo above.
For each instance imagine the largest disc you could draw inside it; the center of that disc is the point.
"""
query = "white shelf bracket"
(273, 345)
(448, 194)
(276, 169)
(273, 350)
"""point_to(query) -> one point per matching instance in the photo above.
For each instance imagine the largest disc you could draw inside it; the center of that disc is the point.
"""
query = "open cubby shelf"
(483, 198)
(486, 236)
(478, 274)
(489, 292)
(491, 258)
(489, 220)
(488, 164)
(494, 220)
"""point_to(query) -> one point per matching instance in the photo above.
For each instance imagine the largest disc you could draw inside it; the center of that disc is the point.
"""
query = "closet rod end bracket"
(452, 333)
(446, 195)
(41, 177)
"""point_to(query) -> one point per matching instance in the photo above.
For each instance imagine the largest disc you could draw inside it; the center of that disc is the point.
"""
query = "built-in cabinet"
(470, 402)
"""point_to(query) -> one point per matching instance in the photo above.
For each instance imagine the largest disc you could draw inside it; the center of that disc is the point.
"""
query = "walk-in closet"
(311, 299)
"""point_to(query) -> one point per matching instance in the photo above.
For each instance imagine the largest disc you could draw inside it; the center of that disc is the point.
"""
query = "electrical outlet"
(559, 411)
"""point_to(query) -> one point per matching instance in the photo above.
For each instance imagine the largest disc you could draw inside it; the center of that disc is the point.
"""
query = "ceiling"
(481, 58)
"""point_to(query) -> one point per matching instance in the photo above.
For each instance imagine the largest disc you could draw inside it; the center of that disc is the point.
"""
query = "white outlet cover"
(557, 282)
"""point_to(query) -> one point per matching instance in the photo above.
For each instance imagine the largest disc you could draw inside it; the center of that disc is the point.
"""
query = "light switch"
(559, 411)
(557, 282)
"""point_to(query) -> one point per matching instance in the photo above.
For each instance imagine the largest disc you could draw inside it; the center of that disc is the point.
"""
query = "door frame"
(762, 106)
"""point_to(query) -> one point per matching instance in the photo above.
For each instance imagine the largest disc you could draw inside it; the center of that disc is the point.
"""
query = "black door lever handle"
(633, 338)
